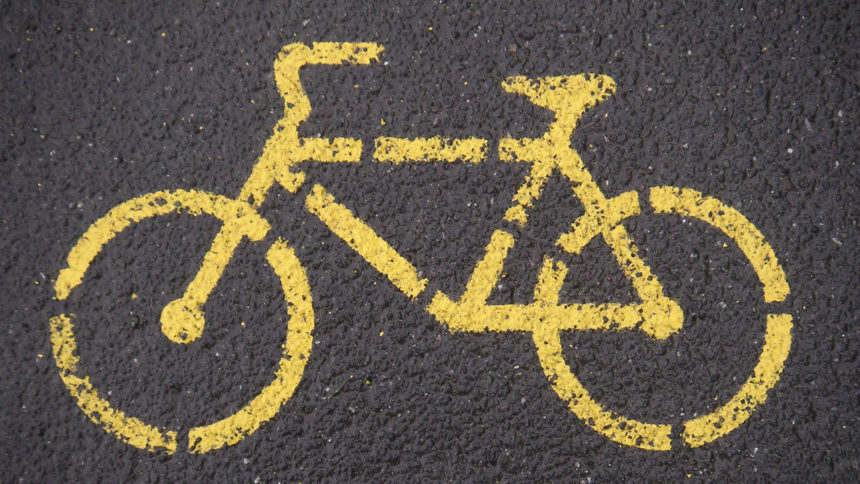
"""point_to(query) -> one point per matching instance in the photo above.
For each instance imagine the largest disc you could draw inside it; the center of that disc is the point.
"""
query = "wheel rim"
(752, 394)
(264, 406)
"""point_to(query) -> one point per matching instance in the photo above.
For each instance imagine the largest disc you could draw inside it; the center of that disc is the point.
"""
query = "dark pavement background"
(755, 104)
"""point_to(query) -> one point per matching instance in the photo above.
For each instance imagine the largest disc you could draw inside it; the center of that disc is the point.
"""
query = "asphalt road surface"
(751, 108)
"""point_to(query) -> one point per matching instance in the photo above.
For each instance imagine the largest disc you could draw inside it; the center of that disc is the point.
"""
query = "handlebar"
(567, 96)
(293, 57)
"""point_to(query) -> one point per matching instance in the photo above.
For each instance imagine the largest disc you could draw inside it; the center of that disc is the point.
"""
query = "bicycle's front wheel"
(752, 393)
(265, 404)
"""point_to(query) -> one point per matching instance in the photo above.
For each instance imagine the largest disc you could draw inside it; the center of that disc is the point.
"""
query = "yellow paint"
(568, 97)
(128, 429)
(597, 220)
(479, 318)
(662, 316)
(487, 271)
(240, 220)
(229, 430)
(550, 281)
(364, 240)
(399, 150)
(545, 318)
(656, 315)
(691, 203)
(297, 350)
(284, 149)
(777, 341)
(234, 213)
(612, 425)
(473, 314)
(528, 193)
(321, 150)
(183, 320)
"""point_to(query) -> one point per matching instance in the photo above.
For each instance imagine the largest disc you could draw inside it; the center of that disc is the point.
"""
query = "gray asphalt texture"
(755, 104)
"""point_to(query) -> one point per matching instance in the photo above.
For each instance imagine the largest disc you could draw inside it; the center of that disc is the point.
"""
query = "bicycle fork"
(183, 320)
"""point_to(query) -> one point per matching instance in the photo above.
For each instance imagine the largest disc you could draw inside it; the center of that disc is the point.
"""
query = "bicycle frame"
(567, 96)
(182, 320)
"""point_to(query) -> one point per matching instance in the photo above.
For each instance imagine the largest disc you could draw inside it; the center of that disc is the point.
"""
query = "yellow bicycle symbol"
(183, 320)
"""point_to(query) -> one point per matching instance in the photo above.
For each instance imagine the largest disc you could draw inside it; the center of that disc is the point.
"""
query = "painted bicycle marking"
(568, 97)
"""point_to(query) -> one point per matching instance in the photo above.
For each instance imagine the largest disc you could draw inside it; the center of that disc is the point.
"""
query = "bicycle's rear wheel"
(752, 394)
(265, 404)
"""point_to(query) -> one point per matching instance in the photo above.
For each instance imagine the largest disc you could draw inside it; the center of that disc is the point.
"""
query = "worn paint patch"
(753, 393)
(684, 201)
(128, 429)
(612, 425)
